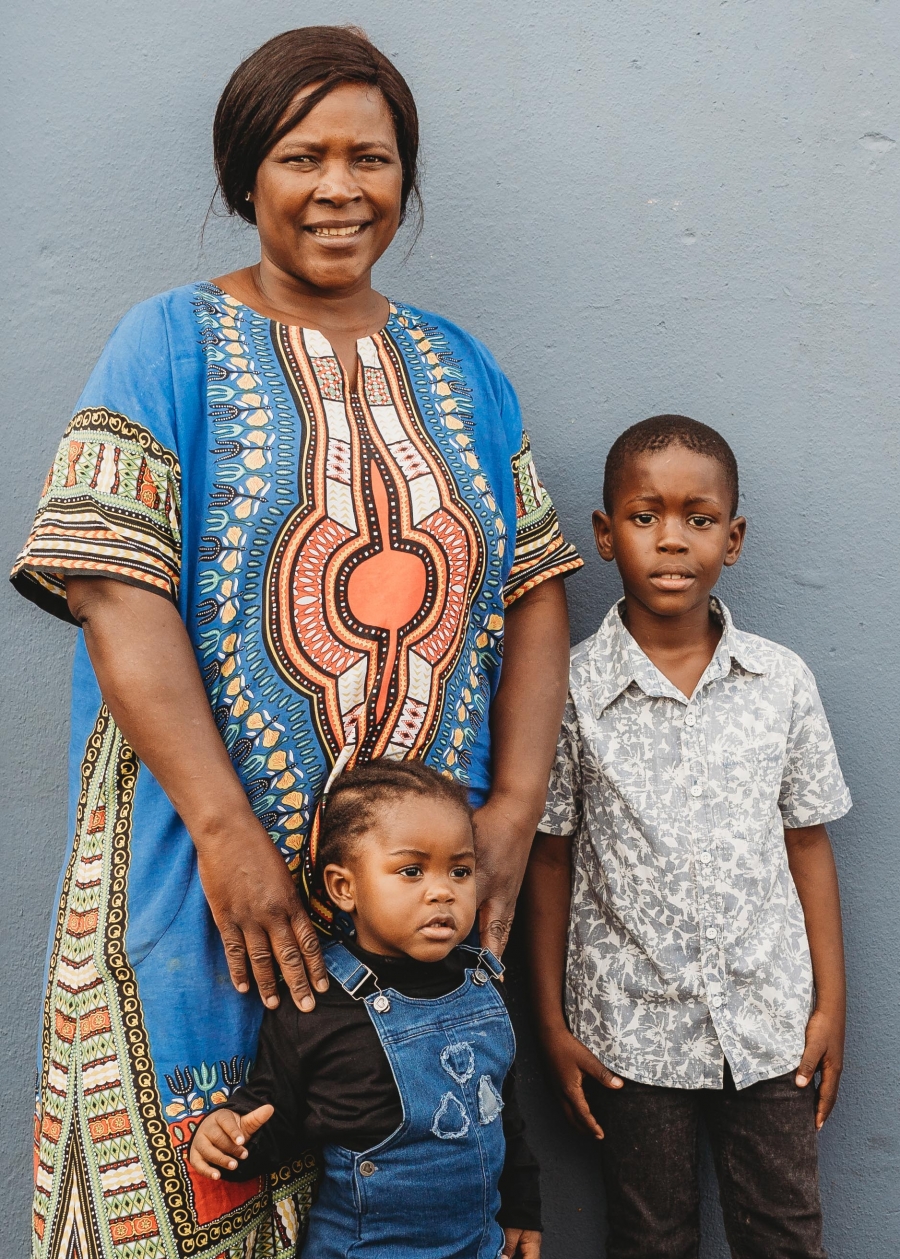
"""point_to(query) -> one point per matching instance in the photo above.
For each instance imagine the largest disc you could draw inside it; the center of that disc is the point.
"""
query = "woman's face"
(327, 197)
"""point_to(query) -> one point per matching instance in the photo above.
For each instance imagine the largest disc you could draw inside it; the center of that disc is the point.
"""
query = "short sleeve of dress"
(110, 506)
(813, 790)
(562, 812)
(541, 551)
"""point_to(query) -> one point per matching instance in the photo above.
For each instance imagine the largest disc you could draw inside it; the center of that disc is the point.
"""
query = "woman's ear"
(338, 882)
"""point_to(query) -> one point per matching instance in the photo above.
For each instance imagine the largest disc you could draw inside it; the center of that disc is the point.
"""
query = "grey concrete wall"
(640, 207)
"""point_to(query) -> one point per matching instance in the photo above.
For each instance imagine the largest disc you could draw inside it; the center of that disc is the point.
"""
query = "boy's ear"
(338, 882)
(603, 535)
(737, 531)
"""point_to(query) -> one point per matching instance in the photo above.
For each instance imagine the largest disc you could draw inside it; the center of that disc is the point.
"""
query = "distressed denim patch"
(458, 1061)
(490, 1103)
(450, 1119)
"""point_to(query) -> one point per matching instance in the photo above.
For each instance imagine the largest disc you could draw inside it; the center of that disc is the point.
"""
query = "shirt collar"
(617, 660)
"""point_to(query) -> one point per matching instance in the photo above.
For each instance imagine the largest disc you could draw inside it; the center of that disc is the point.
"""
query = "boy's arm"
(813, 870)
(547, 895)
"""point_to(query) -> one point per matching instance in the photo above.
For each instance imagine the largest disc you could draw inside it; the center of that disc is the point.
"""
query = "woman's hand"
(221, 1140)
(525, 720)
(149, 679)
(523, 1242)
(259, 915)
(503, 835)
(569, 1063)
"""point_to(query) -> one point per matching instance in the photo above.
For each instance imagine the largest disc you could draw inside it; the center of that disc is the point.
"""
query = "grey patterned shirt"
(686, 936)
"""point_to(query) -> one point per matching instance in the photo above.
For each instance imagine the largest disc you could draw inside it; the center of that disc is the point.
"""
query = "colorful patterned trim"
(541, 550)
(110, 507)
(111, 1177)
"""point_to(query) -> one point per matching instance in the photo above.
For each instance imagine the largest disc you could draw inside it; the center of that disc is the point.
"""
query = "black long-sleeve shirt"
(330, 1082)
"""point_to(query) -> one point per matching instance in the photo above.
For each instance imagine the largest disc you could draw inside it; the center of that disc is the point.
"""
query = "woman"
(297, 525)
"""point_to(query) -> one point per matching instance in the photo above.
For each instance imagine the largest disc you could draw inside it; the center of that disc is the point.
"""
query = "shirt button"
(696, 790)
(367, 1169)
(711, 933)
(717, 1001)
(706, 857)
(690, 719)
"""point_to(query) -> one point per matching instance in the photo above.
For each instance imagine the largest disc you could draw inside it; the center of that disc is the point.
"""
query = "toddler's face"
(670, 530)
(410, 884)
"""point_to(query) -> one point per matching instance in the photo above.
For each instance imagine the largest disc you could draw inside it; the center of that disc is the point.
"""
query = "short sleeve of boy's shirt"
(562, 812)
(813, 790)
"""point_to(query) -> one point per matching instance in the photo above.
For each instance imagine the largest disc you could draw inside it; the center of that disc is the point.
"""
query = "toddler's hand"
(221, 1138)
(570, 1062)
(824, 1052)
(524, 1242)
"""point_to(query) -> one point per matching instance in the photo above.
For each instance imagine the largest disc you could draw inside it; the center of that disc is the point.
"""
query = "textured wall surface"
(639, 207)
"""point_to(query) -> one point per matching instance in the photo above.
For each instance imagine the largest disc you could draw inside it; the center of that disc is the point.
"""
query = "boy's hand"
(824, 1052)
(221, 1138)
(524, 1242)
(570, 1062)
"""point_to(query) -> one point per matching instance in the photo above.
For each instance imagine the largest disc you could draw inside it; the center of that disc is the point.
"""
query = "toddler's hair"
(659, 433)
(359, 793)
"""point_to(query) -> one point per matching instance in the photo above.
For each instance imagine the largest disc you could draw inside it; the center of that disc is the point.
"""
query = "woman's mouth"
(337, 233)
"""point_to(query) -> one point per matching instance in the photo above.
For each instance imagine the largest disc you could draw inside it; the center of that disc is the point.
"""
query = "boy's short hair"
(357, 794)
(659, 433)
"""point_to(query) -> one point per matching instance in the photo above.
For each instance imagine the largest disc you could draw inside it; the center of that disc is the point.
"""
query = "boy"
(683, 853)
(402, 1073)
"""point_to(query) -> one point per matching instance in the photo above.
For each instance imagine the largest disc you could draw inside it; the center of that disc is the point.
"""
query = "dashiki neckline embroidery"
(378, 517)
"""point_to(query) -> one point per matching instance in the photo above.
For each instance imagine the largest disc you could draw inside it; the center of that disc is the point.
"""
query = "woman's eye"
(300, 159)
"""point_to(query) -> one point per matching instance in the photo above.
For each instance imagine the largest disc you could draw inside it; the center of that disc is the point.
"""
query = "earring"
(248, 196)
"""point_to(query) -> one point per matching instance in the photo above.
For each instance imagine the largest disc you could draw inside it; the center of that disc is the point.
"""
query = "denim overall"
(429, 1190)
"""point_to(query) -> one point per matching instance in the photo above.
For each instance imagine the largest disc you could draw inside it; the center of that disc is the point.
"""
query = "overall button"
(367, 1169)
(382, 1005)
(711, 933)
(696, 790)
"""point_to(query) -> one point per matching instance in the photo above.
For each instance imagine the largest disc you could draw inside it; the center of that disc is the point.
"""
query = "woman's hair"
(255, 112)
(358, 794)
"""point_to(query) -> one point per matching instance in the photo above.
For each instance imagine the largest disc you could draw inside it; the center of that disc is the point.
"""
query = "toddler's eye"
(460, 872)
(411, 872)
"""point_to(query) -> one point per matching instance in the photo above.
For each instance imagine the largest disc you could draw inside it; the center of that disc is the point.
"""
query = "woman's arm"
(814, 873)
(149, 679)
(525, 720)
(548, 895)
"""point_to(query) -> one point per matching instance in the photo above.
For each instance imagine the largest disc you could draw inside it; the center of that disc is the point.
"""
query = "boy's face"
(410, 884)
(670, 530)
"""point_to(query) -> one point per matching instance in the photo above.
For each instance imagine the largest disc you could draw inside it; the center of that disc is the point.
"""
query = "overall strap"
(349, 971)
(485, 959)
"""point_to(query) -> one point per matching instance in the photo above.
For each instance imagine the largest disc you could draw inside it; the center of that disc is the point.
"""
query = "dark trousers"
(764, 1145)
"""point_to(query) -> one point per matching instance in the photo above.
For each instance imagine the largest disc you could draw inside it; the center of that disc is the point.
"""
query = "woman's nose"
(337, 184)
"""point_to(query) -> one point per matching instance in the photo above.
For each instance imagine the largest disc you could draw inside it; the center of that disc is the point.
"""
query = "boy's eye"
(701, 522)
(644, 518)
(411, 872)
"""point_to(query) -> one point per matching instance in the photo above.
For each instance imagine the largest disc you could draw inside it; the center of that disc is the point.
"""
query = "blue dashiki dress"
(342, 561)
